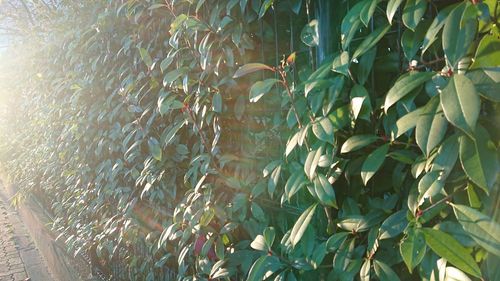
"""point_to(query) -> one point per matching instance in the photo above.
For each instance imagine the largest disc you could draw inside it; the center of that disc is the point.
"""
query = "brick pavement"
(19, 257)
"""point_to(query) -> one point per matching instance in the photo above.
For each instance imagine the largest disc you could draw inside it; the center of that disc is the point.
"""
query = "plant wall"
(175, 135)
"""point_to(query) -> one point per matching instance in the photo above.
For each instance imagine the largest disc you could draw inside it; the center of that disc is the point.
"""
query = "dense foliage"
(141, 124)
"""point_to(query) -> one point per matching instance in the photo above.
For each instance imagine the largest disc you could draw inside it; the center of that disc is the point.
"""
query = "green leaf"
(174, 75)
(384, 272)
(367, 11)
(262, 266)
(431, 126)
(360, 102)
(273, 180)
(301, 225)
(334, 242)
(480, 227)
(486, 82)
(217, 102)
(457, 39)
(444, 245)
(250, 68)
(413, 12)
(406, 122)
(430, 185)
(260, 244)
(269, 235)
(166, 62)
(324, 191)
(461, 103)
(357, 142)
(341, 63)
(312, 161)
(146, 58)
(392, 7)
(370, 41)
(293, 184)
(261, 88)
(355, 223)
(323, 130)
(436, 25)
(264, 7)
(404, 86)
(411, 41)
(309, 34)
(412, 248)
(487, 51)
(446, 157)
(365, 65)
(394, 225)
(479, 160)
(364, 273)
(170, 134)
(154, 148)
(257, 212)
(207, 216)
(292, 142)
(350, 24)
(373, 162)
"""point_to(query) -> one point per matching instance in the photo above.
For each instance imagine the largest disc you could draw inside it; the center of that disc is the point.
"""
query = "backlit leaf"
(357, 142)
(301, 224)
(447, 247)
(461, 103)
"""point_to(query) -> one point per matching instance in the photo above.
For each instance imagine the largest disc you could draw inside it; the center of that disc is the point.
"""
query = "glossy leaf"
(146, 58)
(262, 266)
(407, 122)
(384, 272)
(487, 52)
(480, 227)
(357, 142)
(457, 39)
(341, 63)
(435, 27)
(461, 103)
(260, 88)
(373, 162)
(312, 161)
(309, 34)
(350, 24)
(250, 68)
(367, 12)
(413, 12)
(431, 126)
(404, 86)
(479, 160)
(324, 191)
(370, 41)
(323, 130)
(301, 224)
(447, 247)
(392, 7)
(155, 148)
(394, 225)
(412, 248)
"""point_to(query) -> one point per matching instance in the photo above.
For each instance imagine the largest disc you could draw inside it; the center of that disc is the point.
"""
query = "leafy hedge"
(135, 126)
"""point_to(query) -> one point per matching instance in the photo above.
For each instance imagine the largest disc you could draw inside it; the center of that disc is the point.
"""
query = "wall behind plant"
(222, 140)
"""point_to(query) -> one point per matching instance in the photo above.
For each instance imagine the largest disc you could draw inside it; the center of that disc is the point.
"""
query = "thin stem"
(292, 101)
(447, 198)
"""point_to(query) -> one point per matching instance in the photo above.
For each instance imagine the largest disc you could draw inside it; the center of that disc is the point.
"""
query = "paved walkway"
(19, 257)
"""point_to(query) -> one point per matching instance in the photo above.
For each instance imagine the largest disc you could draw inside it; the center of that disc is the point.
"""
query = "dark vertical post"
(325, 16)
